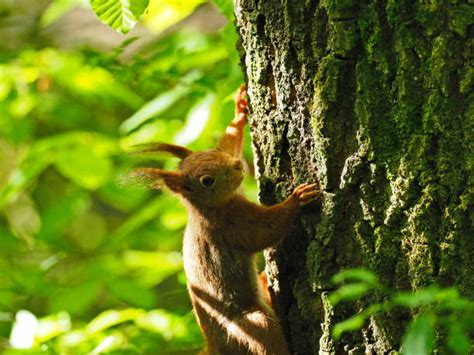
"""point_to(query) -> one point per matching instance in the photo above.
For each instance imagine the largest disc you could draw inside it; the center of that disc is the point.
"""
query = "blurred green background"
(89, 264)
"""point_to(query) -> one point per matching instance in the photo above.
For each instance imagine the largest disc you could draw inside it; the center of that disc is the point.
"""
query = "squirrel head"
(206, 178)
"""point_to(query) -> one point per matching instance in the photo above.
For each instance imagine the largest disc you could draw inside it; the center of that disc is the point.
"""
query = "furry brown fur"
(223, 233)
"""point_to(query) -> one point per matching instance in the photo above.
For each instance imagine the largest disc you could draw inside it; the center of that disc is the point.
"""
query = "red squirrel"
(223, 233)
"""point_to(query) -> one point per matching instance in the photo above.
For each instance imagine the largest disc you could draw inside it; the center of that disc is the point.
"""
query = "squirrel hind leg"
(259, 332)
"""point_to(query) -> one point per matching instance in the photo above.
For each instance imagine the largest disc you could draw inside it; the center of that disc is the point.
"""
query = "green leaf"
(59, 215)
(422, 297)
(159, 104)
(19, 179)
(148, 212)
(353, 323)
(120, 15)
(349, 292)
(226, 7)
(112, 317)
(88, 231)
(131, 292)
(361, 275)
(52, 326)
(460, 304)
(163, 14)
(57, 9)
(23, 218)
(67, 299)
(457, 340)
(196, 120)
(44, 151)
(153, 267)
(162, 322)
(419, 339)
(85, 166)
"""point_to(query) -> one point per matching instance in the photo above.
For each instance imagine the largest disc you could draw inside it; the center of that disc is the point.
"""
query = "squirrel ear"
(176, 150)
(173, 180)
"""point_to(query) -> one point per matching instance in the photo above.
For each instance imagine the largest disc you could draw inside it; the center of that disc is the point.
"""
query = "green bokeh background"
(94, 260)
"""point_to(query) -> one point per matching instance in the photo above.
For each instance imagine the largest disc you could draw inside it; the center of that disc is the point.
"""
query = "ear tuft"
(176, 150)
(157, 178)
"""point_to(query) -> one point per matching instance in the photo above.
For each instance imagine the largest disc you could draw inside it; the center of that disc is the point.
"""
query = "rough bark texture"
(374, 100)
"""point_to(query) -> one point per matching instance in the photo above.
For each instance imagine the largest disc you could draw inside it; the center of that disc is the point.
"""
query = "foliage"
(122, 15)
(118, 14)
(437, 310)
(89, 264)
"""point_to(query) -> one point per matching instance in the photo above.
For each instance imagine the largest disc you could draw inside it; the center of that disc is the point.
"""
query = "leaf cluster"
(440, 314)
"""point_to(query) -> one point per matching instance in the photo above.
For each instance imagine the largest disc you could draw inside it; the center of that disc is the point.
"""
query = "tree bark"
(374, 100)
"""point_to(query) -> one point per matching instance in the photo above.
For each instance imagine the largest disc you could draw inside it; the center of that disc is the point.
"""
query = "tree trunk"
(373, 99)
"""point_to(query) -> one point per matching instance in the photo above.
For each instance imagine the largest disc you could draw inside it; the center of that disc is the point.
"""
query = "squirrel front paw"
(241, 108)
(304, 194)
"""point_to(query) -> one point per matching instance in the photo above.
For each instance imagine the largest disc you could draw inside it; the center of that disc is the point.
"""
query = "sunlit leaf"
(109, 343)
(163, 322)
(72, 339)
(111, 318)
(165, 13)
(120, 15)
(174, 219)
(447, 294)
(421, 297)
(196, 120)
(85, 166)
(459, 304)
(350, 324)
(5, 87)
(361, 275)
(159, 104)
(349, 292)
(71, 72)
(22, 105)
(419, 338)
(57, 9)
(203, 58)
(159, 265)
(151, 131)
(52, 326)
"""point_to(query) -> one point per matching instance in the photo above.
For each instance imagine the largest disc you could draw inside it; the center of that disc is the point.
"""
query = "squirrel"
(223, 232)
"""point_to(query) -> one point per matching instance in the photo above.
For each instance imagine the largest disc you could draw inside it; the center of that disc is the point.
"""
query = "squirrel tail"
(266, 292)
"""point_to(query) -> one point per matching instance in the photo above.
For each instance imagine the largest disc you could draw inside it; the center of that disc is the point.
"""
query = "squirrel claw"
(305, 193)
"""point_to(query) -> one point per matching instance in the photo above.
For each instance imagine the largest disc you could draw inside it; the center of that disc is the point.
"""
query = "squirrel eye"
(207, 180)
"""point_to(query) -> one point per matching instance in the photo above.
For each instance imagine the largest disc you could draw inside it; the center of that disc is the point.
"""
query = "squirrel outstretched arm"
(224, 230)
(233, 140)
(267, 225)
